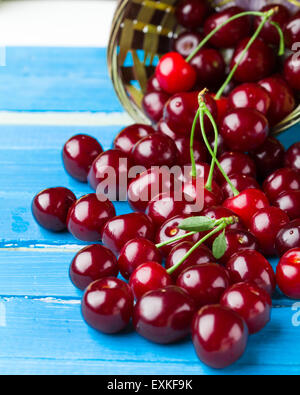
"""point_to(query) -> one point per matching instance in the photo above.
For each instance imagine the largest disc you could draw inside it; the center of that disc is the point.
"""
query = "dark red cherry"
(292, 32)
(200, 256)
(258, 63)
(247, 203)
(244, 129)
(229, 34)
(107, 305)
(292, 71)
(282, 99)
(268, 157)
(265, 224)
(184, 154)
(210, 67)
(236, 162)
(288, 237)
(78, 155)
(130, 135)
(191, 13)
(149, 276)
(288, 273)
(88, 215)
(109, 174)
(50, 208)
(250, 95)
(292, 157)
(250, 265)
(187, 42)
(174, 74)
(251, 303)
(153, 85)
(153, 105)
(269, 33)
(200, 197)
(281, 180)
(92, 263)
(289, 202)
(240, 182)
(134, 253)
(219, 335)
(119, 230)
(164, 315)
(155, 150)
(162, 127)
(205, 283)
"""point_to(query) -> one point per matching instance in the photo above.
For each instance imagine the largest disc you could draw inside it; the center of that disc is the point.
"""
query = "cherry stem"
(170, 241)
(193, 162)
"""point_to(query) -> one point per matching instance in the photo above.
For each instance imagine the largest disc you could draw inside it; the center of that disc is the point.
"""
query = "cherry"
(240, 182)
(174, 74)
(210, 67)
(250, 265)
(88, 215)
(200, 256)
(205, 283)
(191, 13)
(164, 315)
(292, 71)
(129, 136)
(289, 202)
(288, 273)
(153, 85)
(78, 155)
(109, 172)
(282, 99)
(250, 95)
(187, 42)
(246, 204)
(269, 32)
(149, 276)
(184, 155)
(265, 224)
(119, 230)
(292, 157)
(288, 237)
(50, 208)
(236, 162)
(202, 198)
(251, 303)
(258, 62)
(244, 129)
(107, 305)
(281, 180)
(155, 150)
(134, 253)
(221, 144)
(292, 31)
(219, 335)
(268, 157)
(163, 128)
(92, 263)
(229, 34)
(153, 105)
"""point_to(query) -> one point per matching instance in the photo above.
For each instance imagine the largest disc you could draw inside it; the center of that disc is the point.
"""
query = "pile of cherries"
(204, 273)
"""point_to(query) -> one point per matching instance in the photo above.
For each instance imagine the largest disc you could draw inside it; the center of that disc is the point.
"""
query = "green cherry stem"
(193, 162)
(170, 241)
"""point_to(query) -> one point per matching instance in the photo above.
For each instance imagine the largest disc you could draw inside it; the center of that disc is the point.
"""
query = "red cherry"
(251, 303)
(229, 34)
(244, 129)
(88, 215)
(292, 157)
(288, 237)
(187, 42)
(292, 71)
(205, 283)
(258, 62)
(250, 265)
(219, 335)
(153, 105)
(250, 95)
(222, 107)
(164, 315)
(155, 150)
(236, 162)
(130, 135)
(240, 182)
(200, 256)
(50, 208)
(119, 230)
(78, 155)
(92, 263)
(153, 85)
(147, 277)
(289, 202)
(281, 180)
(134, 253)
(288, 273)
(292, 31)
(107, 305)
(191, 13)
(184, 155)
(174, 74)
(265, 224)
(282, 99)
(202, 198)
(163, 128)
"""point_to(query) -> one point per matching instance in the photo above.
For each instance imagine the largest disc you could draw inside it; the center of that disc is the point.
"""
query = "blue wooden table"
(41, 329)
